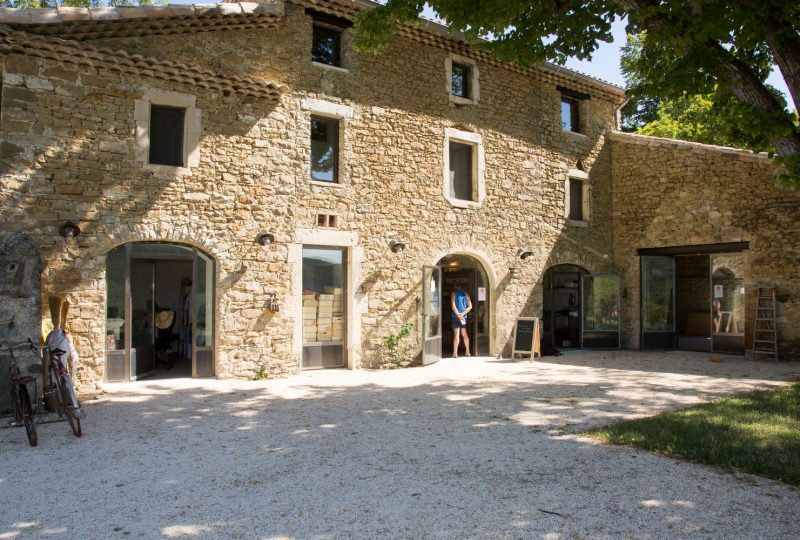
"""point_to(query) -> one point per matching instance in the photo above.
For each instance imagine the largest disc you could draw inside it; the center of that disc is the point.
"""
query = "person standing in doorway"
(460, 304)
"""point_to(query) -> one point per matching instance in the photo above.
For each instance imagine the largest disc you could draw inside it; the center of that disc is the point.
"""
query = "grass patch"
(757, 433)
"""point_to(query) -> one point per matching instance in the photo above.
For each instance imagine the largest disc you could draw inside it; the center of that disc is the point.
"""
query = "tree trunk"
(786, 53)
(745, 86)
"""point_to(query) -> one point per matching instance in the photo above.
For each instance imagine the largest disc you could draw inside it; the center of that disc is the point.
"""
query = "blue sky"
(605, 61)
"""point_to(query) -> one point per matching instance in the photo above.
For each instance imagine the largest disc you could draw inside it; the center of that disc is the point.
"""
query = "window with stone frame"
(578, 194)
(167, 125)
(463, 79)
(324, 149)
(326, 47)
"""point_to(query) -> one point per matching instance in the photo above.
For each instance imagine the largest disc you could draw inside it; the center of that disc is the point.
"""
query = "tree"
(692, 47)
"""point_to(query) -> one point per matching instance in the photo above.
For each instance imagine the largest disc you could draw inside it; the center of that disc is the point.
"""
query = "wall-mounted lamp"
(524, 254)
(264, 239)
(69, 230)
(396, 246)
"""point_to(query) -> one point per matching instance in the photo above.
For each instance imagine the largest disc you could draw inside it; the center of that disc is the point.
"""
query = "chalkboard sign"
(526, 337)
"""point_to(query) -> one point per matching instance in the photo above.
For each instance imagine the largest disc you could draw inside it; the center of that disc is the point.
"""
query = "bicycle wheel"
(68, 399)
(27, 415)
(55, 381)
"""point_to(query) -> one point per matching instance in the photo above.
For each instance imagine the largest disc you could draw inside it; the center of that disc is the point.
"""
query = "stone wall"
(672, 193)
(69, 152)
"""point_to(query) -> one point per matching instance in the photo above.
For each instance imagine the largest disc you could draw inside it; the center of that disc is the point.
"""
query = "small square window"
(324, 149)
(576, 200)
(166, 135)
(461, 171)
(570, 120)
(327, 45)
(461, 75)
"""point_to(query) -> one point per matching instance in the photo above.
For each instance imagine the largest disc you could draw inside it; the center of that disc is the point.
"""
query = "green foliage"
(758, 432)
(398, 358)
(710, 119)
(262, 371)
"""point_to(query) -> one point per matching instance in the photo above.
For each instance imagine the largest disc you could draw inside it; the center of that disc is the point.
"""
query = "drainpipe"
(618, 114)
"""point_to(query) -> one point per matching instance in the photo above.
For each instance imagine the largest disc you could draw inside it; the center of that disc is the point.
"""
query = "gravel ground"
(466, 448)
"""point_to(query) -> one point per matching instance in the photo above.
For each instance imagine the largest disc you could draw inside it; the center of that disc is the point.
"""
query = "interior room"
(561, 321)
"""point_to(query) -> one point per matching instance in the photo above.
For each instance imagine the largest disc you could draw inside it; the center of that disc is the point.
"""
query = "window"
(461, 76)
(324, 149)
(461, 171)
(168, 130)
(570, 120)
(575, 199)
(578, 194)
(463, 184)
(166, 135)
(462, 80)
(326, 46)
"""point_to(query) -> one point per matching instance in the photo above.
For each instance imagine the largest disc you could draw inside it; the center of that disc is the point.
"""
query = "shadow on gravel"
(480, 459)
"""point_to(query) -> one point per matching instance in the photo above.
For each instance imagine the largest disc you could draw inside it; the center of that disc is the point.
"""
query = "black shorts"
(456, 323)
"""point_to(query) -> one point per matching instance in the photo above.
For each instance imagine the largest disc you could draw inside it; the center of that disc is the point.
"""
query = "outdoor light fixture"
(524, 254)
(265, 239)
(69, 230)
(396, 246)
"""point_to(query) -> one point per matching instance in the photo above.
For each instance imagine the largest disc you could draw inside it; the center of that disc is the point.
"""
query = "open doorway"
(159, 312)
(467, 273)
(693, 298)
(561, 317)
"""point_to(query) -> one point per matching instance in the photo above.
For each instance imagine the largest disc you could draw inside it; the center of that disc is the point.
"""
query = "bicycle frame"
(24, 409)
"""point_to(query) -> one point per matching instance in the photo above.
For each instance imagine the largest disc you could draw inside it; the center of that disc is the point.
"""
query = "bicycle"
(62, 389)
(21, 399)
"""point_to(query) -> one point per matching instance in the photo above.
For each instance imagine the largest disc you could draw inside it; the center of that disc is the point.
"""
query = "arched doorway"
(159, 312)
(470, 275)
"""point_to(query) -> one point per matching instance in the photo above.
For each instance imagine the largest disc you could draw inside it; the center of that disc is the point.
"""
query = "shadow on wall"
(20, 305)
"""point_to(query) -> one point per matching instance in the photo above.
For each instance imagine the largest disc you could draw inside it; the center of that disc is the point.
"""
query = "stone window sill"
(461, 203)
(458, 100)
(167, 169)
(330, 67)
(578, 223)
(320, 183)
(575, 134)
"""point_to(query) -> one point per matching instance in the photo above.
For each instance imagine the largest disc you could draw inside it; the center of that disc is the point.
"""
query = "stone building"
(232, 189)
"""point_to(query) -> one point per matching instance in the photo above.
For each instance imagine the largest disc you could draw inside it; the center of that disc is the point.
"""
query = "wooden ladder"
(765, 338)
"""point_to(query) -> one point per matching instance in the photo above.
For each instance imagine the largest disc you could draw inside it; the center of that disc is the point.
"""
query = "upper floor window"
(166, 135)
(576, 199)
(570, 111)
(324, 149)
(571, 108)
(461, 171)
(168, 129)
(326, 47)
(463, 168)
(462, 79)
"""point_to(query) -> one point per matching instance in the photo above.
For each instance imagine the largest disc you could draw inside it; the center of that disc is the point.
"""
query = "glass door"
(600, 313)
(117, 321)
(658, 302)
(202, 300)
(142, 296)
(727, 303)
(324, 316)
(431, 314)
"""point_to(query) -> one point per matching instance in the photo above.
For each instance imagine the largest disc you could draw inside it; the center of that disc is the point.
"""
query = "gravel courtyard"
(466, 448)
